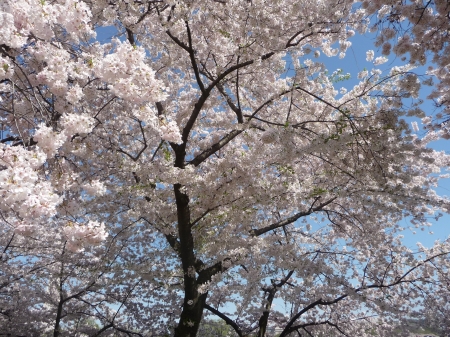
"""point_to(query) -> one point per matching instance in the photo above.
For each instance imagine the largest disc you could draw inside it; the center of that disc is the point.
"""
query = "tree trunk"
(190, 318)
(265, 316)
(193, 303)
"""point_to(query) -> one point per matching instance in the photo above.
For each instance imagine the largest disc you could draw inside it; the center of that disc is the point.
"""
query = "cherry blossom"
(79, 235)
(204, 164)
(369, 55)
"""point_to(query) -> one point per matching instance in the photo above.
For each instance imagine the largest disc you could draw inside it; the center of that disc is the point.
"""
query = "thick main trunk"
(265, 316)
(190, 318)
(56, 329)
(193, 302)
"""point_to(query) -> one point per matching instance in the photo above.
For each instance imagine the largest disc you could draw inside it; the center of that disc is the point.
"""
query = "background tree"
(202, 164)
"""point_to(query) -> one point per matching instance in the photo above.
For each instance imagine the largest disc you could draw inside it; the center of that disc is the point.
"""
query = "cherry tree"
(203, 163)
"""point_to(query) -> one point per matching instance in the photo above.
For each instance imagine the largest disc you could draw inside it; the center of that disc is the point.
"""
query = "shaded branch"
(130, 37)
(227, 320)
(192, 57)
(215, 147)
(260, 231)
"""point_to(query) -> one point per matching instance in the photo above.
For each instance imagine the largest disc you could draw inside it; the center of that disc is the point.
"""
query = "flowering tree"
(202, 164)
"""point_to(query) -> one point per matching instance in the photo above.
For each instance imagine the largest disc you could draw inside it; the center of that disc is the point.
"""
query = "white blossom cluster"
(169, 131)
(130, 77)
(77, 124)
(6, 68)
(75, 94)
(22, 190)
(81, 235)
(269, 136)
(48, 140)
(21, 17)
(95, 188)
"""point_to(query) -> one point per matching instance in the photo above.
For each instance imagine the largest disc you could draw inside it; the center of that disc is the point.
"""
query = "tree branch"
(215, 147)
(260, 231)
(225, 318)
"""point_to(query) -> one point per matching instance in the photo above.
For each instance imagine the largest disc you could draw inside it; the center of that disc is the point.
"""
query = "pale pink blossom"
(77, 124)
(48, 139)
(269, 136)
(169, 131)
(94, 188)
(199, 156)
(80, 235)
(380, 60)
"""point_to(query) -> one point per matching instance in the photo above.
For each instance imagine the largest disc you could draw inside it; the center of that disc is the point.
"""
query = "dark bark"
(193, 303)
(264, 319)
(57, 327)
(271, 291)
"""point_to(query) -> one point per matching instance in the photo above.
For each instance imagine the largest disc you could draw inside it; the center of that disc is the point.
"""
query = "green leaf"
(317, 191)
(224, 33)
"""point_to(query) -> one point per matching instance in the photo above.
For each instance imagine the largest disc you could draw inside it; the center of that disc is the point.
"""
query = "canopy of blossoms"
(203, 163)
